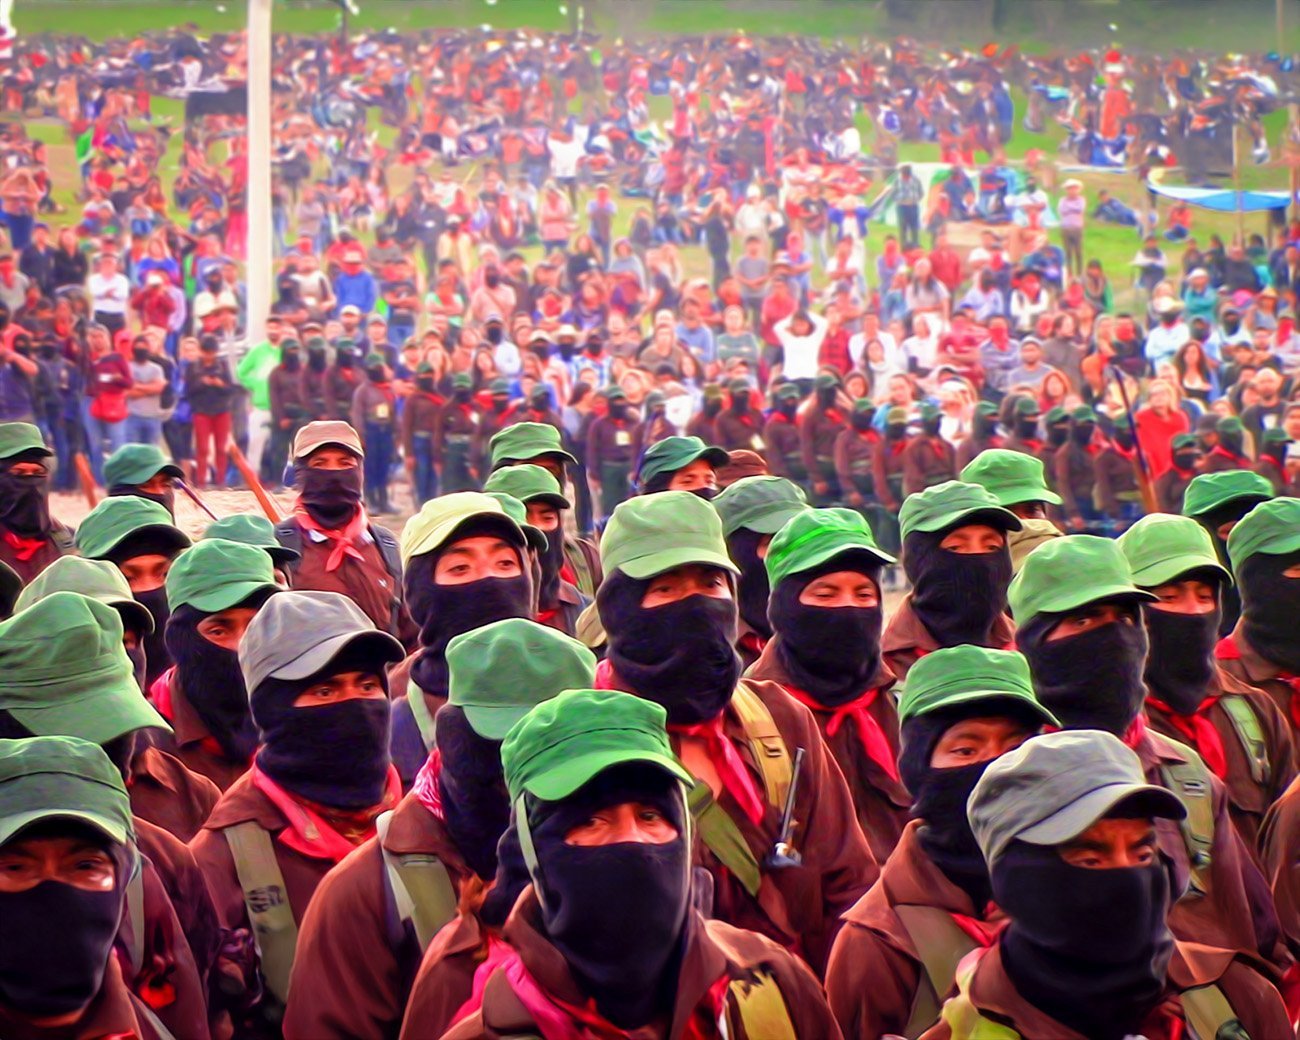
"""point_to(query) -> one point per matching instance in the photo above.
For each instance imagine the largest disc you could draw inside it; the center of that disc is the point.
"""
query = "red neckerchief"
(1200, 733)
(833, 414)
(870, 734)
(426, 789)
(779, 417)
(387, 390)
(1124, 453)
(1273, 459)
(936, 445)
(897, 447)
(307, 832)
(1136, 731)
(545, 617)
(567, 574)
(1227, 650)
(869, 435)
(752, 642)
(1223, 452)
(1033, 444)
(983, 933)
(343, 538)
(24, 548)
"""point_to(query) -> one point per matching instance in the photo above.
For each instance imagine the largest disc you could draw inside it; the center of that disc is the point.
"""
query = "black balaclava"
(291, 359)
(958, 596)
(316, 359)
(1271, 607)
(1027, 427)
(475, 805)
(681, 655)
(1088, 681)
(740, 402)
(335, 754)
(896, 431)
(150, 542)
(1185, 458)
(1088, 947)
(826, 396)
(830, 652)
(167, 499)
(752, 589)
(712, 406)
(1231, 440)
(1229, 512)
(623, 952)
(1058, 434)
(931, 425)
(212, 682)
(552, 561)
(511, 878)
(1180, 657)
(24, 501)
(1082, 433)
(863, 421)
(985, 426)
(330, 496)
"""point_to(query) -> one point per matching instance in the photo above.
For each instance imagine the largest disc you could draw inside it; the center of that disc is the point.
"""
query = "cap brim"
(1013, 496)
(768, 523)
(319, 656)
(547, 498)
(493, 721)
(665, 560)
(350, 448)
(229, 595)
(90, 717)
(178, 538)
(991, 696)
(281, 554)
(135, 616)
(1072, 598)
(998, 517)
(435, 538)
(139, 476)
(564, 780)
(549, 453)
(1161, 572)
(824, 553)
(1068, 823)
(19, 822)
(535, 537)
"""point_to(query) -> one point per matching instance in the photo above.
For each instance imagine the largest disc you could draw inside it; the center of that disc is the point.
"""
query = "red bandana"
(308, 832)
(1200, 733)
(344, 538)
(426, 789)
(24, 548)
(730, 766)
(872, 736)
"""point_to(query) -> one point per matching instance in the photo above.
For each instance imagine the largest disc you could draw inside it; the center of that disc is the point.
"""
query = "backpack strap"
(1210, 1015)
(723, 838)
(766, 743)
(421, 887)
(289, 534)
(135, 914)
(583, 577)
(155, 1023)
(963, 1018)
(941, 945)
(761, 1008)
(420, 710)
(1191, 782)
(274, 929)
(1251, 734)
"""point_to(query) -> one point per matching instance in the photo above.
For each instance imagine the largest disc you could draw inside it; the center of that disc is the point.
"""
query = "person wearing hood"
(141, 470)
(1069, 830)
(821, 424)
(752, 510)
(289, 395)
(374, 417)
(983, 435)
(740, 424)
(668, 607)
(1074, 472)
(1115, 476)
(456, 438)
(259, 532)
(339, 549)
(855, 451)
(956, 557)
(610, 453)
(466, 566)
(962, 708)
(1218, 501)
(681, 464)
(1078, 623)
(928, 459)
(1230, 451)
(138, 537)
(601, 805)
(1172, 484)
(781, 435)
(313, 664)
(375, 914)
(30, 539)
(1018, 482)
(1239, 732)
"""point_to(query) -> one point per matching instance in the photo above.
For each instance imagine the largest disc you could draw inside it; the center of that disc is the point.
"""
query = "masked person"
(752, 510)
(215, 589)
(138, 537)
(740, 425)
(30, 539)
(826, 613)
(313, 665)
(1172, 484)
(955, 555)
(887, 472)
(681, 464)
(259, 532)
(141, 470)
(1115, 474)
(360, 943)
(963, 707)
(418, 428)
(492, 420)
(466, 566)
(1073, 472)
(1229, 452)
(928, 459)
(703, 424)
(339, 549)
(1069, 831)
(1270, 462)
(455, 441)
(820, 426)
(781, 435)
(1078, 623)
(1024, 417)
(1018, 482)
(983, 435)
(610, 452)
(1217, 501)
(1238, 731)
(669, 611)
(855, 450)
(601, 805)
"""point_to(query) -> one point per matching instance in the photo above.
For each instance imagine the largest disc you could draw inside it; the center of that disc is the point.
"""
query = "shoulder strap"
(420, 710)
(761, 1007)
(724, 839)
(135, 914)
(1190, 781)
(941, 945)
(1251, 734)
(573, 552)
(963, 1018)
(267, 900)
(155, 1023)
(1210, 1015)
(766, 742)
(289, 534)
(421, 885)
(390, 553)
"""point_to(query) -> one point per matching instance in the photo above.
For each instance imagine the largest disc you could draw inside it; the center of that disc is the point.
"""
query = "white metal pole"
(258, 206)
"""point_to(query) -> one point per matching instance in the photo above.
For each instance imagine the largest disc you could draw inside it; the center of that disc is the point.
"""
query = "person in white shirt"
(801, 336)
(1168, 335)
(110, 294)
(871, 330)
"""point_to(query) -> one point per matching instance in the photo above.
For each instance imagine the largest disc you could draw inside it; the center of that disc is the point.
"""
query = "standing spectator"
(145, 411)
(1071, 210)
(37, 260)
(70, 266)
(13, 284)
(800, 336)
(110, 293)
(907, 198)
(354, 286)
(374, 416)
(1166, 338)
(153, 302)
(108, 377)
(1159, 421)
(752, 273)
(209, 387)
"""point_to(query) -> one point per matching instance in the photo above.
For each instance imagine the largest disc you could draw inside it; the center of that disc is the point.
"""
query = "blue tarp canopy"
(1225, 200)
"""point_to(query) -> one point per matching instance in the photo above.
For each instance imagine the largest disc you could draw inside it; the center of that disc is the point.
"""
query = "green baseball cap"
(896, 415)
(864, 404)
(566, 741)
(67, 674)
(951, 504)
(762, 504)
(462, 381)
(254, 530)
(528, 484)
(986, 408)
(813, 536)
(785, 392)
(651, 534)
(1064, 574)
(1054, 787)
(122, 516)
(96, 579)
(18, 438)
(1208, 491)
(1010, 477)
(1160, 547)
(960, 674)
(1056, 416)
(499, 672)
(1276, 435)
(218, 574)
(827, 381)
(497, 388)
(527, 440)
(438, 519)
(674, 453)
(62, 778)
(136, 463)
(1026, 406)
(613, 393)
(1272, 528)
(1229, 424)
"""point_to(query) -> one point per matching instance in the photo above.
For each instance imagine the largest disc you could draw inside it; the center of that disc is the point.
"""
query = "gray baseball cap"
(1054, 787)
(296, 634)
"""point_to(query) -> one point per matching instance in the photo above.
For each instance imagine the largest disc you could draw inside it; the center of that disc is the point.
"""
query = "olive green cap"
(611, 393)
(651, 534)
(439, 518)
(762, 504)
(1026, 406)
(254, 530)
(674, 453)
(1066, 573)
(1160, 547)
(1229, 424)
(67, 674)
(136, 463)
(896, 415)
(1276, 435)
(62, 778)
(1083, 414)
(739, 385)
(986, 408)
(17, 438)
(785, 392)
(952, 503)
(1272, 528)
(120, 517)
(496, 388)
(1208, 491)
(499, 672)
(929, 412)
(527, 440)
(959, 674)
(826, 381)
(218, 574)
(1183, 440)
(1010, 477)
(864, 404)
(1121, 422)
(1056, 416)
(566, 741)
(373, 359)
(518, 512)
(96, 579)
(528, 484)
(462, 381)
(654, 399)
(813, 536)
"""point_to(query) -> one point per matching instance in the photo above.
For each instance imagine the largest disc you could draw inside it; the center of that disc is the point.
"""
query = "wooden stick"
(254, 485)
(195, 498)
(87, 479)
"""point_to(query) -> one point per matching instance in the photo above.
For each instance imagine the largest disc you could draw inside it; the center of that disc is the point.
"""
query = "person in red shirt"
(945, 263)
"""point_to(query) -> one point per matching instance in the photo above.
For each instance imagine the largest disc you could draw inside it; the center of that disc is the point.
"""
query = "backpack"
(289, 534)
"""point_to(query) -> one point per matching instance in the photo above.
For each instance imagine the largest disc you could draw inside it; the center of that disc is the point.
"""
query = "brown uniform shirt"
(887, 462)
(365, 581)
(1242, 661)
(1277, 850)
(1169, 488)
(855, 452)
(1075, 478)
(115, 1012)
(817, 432)
(784, 452)
(419, 417)
(1116, 480)
(906, 639)
(927, 461)
(57, 542)
(168, 795)
(190, 740)
(741, 431)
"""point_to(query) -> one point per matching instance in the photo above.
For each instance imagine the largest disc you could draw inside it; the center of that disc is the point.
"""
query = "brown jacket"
(907, 640)
(740, 430)
(57, 542)
(190, 740)
(887, 462)
(1075, 478)
(784, 453)
(446, 976)
(855, 452)
(1277, 850)
(817, 432)
(1169, 488)
(1242, 661)
(167, 794)
(1116, 480)
(419, 419)
(927, 461)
